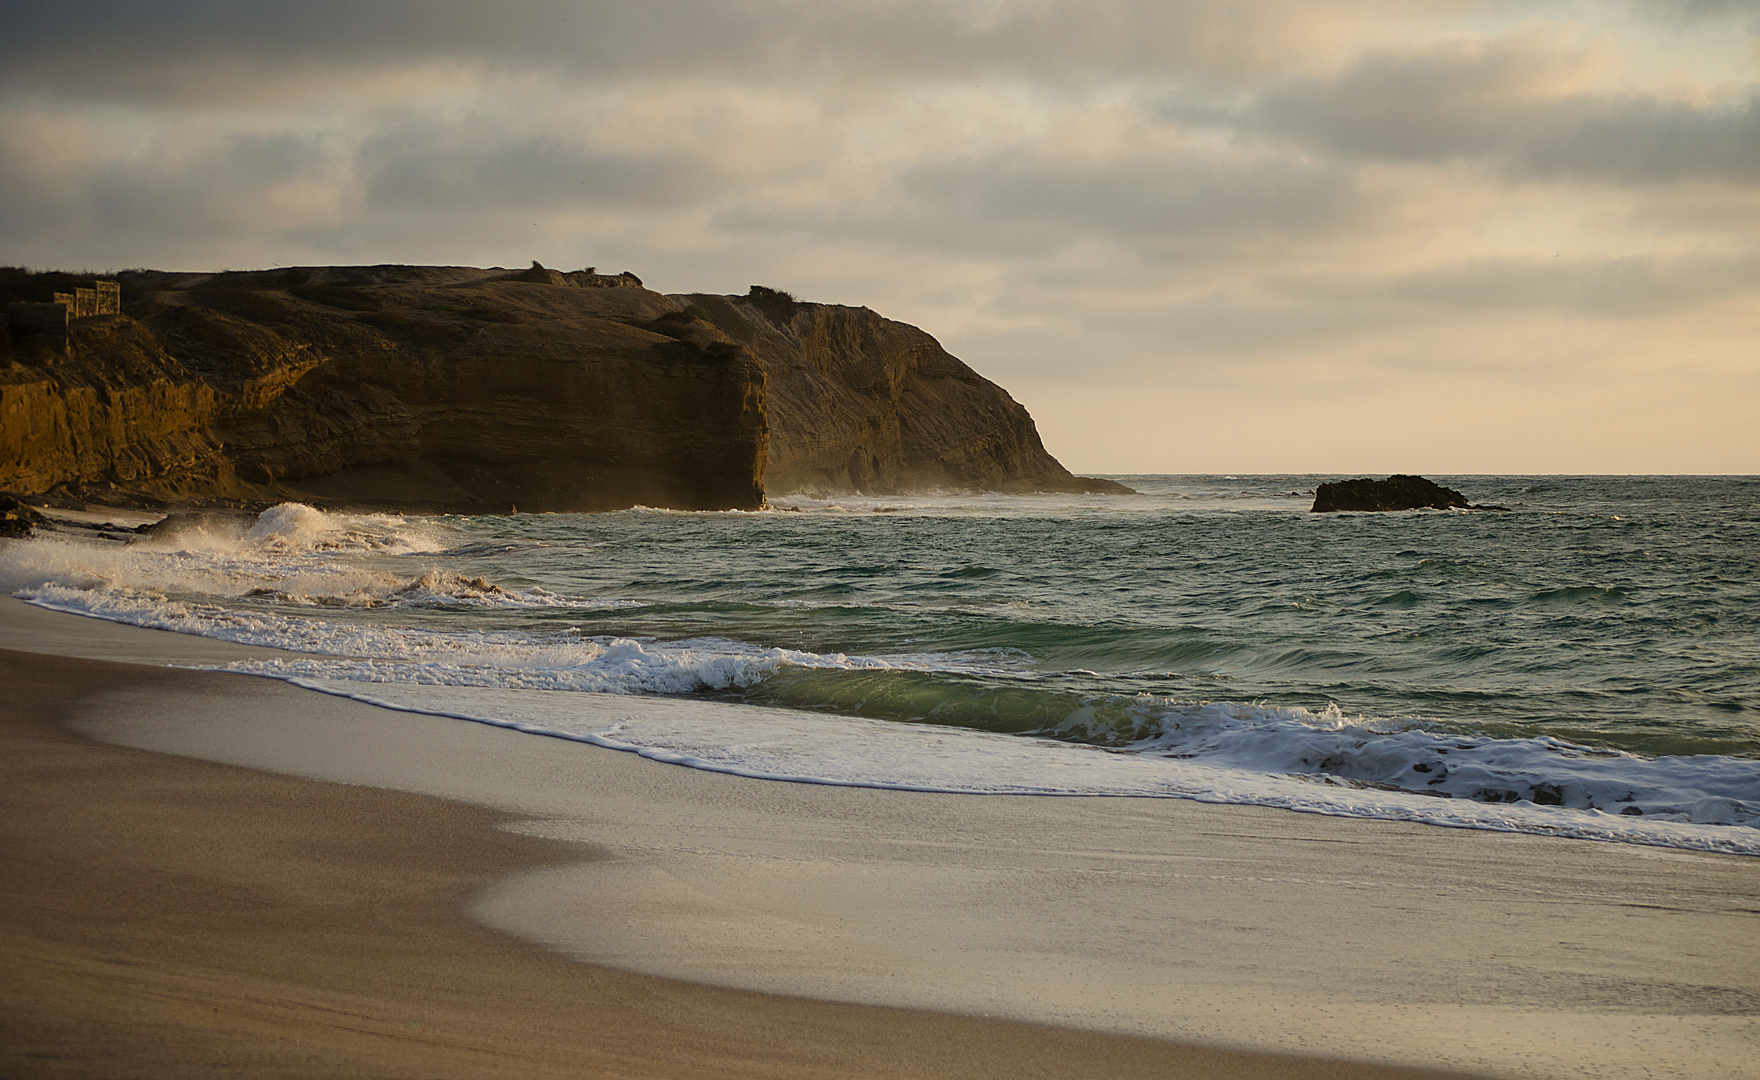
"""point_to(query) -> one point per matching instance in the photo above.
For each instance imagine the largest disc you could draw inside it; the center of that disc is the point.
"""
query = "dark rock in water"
(1496, 795)
(1397, 492)
(186, 522)
(1548, 795)
(1099, 485)
(16, 518)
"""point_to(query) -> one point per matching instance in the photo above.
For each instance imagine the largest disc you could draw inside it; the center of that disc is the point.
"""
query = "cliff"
(413, 387)
(860, 403)
(467, 390)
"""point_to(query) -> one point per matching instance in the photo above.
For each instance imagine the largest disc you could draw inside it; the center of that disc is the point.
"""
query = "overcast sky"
(1359, 236)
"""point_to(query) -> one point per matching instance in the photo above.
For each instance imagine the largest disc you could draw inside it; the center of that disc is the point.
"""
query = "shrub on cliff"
(778, 306)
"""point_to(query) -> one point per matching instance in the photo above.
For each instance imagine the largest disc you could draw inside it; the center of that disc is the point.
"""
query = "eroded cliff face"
(129, 414)
(420, 387)
(860, 403)
(467, 390)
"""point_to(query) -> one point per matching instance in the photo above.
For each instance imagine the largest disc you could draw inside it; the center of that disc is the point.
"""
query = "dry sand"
(166, 916)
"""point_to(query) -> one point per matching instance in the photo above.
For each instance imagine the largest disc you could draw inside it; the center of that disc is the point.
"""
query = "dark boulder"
(1393, 493)
(185, 523)
(16, 518)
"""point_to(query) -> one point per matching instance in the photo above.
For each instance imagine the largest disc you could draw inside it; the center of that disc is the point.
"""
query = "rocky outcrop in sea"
(1397, 492)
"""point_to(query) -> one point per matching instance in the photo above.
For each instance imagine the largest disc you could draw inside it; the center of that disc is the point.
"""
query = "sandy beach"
(343, 890)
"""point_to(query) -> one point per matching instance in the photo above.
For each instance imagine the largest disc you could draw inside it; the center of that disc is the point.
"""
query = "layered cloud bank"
(1373, 235)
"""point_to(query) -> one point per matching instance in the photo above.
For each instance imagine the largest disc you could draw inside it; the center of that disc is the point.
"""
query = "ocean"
(1585, 664)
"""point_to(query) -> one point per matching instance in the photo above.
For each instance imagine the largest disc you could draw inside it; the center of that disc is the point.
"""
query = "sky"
(1360, 236)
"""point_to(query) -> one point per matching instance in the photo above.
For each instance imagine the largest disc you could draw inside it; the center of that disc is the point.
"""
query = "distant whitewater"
(1587, 665)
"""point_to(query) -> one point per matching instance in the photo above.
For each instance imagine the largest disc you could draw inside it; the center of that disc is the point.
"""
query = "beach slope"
(167, 917)
(438, 897)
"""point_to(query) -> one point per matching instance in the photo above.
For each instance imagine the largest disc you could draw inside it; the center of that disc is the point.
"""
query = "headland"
(468, 390)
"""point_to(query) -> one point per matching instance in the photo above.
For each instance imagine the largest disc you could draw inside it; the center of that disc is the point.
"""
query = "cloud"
(171, 50)
(1028, 201)
(1154, 200)
(1214, 197)
(451, 171)
(1620, 288)
(1530, 105)
(1689, 12)
(213, 184)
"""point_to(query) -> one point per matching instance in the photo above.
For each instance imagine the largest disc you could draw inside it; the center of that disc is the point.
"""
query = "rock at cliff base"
(1099, 485)
(1397, 492)
(198, 523)
(16, 518)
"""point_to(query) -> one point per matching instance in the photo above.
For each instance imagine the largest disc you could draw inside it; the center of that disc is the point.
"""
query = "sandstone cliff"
(859, 403)
(453, 388)
(418, 387)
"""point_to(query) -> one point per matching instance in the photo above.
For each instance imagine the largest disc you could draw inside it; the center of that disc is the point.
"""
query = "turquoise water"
(1595, 648)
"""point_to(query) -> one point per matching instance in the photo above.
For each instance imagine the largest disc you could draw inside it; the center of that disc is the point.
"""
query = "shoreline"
(718, 879)
(175, 917)
(201, 920)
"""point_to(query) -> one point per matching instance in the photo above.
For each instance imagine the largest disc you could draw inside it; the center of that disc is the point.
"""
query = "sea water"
(1584, 664)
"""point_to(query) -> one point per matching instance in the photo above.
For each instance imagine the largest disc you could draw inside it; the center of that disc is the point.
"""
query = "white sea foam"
(966, 504)
(787, 745)
(295, 528)
(1546, 771)
(291, 553)
(561, 663)
(557, 661)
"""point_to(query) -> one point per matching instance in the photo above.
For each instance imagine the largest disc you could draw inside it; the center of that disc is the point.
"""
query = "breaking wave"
(402, 612)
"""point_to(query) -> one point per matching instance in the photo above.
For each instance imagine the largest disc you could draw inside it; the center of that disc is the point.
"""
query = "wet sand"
(170, 916)
(167, 917)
